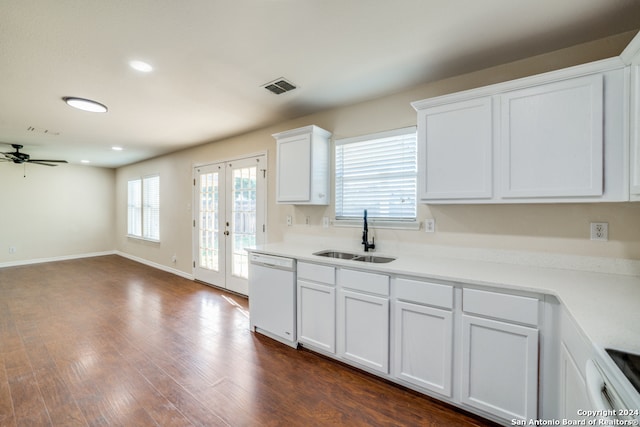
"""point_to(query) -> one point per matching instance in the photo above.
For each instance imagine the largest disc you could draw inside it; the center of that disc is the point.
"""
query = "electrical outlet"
(12, 249)
(289, 220)
(174, 259)
(599, 231)
(325, 222)
(429, 225)
(307, 220)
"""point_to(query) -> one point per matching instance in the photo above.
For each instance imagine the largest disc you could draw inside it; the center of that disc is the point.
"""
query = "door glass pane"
(243, 216)
(209, 212)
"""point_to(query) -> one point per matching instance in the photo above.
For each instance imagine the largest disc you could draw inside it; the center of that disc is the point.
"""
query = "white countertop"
(604, 305)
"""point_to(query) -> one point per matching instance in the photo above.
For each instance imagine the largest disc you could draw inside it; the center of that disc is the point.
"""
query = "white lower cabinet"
(474, 348)
(316, 314)
(500, 368)
(363, 319)
(500, 357)
(574, 353)
(574, 401)
(423, 344)
(423, 334)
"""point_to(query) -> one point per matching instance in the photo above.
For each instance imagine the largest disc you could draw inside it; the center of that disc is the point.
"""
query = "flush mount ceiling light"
(141, 66)
(116, 148)
(85, 104)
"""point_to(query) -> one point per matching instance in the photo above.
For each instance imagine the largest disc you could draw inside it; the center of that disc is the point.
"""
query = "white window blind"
(151, 207)
(379, 173)
(134, 208)
(143, 206)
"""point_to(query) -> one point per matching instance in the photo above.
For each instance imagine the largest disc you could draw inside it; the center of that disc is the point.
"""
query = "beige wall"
(562, 228)
(56, 212)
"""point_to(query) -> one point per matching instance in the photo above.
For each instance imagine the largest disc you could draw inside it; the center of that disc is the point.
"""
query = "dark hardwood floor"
(107, 341)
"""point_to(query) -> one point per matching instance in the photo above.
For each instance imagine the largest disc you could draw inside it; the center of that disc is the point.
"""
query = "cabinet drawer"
(424, 293)
(317, 273)
(366, 282)
(502, 306)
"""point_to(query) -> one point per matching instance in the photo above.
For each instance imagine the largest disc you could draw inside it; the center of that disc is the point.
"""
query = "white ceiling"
(211, 58)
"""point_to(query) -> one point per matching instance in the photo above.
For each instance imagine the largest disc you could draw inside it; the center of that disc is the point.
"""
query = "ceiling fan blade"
(42, 160)
(40, 163)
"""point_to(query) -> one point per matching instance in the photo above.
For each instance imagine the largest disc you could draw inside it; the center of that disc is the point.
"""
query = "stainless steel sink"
(336, 254)
(373, 258)
(362, 258)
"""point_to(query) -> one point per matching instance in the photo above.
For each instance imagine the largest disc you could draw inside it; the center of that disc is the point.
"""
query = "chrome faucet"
(365, 236)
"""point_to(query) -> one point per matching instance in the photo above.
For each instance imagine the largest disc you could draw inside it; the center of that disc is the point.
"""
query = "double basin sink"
(354, 257)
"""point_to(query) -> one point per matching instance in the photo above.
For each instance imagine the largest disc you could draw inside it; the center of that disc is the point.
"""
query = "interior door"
(229, 217)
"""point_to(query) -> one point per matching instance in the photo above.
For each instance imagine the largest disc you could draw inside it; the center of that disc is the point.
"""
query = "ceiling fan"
(20, 158)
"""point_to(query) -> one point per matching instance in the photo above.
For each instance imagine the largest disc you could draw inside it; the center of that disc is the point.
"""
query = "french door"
(229, 216)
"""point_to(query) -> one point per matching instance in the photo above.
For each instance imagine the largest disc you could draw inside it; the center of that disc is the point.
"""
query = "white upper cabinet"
(303, 166)
(631, 56)
(556, 137)
(635, 131)
(457, 160)
(552, 139)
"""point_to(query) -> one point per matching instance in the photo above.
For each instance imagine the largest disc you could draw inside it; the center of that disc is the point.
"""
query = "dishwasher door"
(272, 297)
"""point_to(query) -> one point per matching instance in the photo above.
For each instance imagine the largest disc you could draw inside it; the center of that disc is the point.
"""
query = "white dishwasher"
(272, 297)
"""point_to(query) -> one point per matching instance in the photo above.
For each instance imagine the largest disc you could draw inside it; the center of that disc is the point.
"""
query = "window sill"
(142, 239)
(396, 225)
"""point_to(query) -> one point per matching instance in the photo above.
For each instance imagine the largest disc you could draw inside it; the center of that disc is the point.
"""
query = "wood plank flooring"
(107, 341)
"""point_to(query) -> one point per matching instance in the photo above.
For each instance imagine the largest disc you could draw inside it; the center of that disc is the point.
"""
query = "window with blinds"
(378, 173)
(143, 208)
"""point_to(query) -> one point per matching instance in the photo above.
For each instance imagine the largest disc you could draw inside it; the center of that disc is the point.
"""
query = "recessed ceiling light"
(141, 66)
(85, 161)
(85, 104)
(115, 148)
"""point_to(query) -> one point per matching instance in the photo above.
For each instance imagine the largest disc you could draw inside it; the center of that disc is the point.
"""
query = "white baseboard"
(53, 259)
(95, 254)
(155, 265)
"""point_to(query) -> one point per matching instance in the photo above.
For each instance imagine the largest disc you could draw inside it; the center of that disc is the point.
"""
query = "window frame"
(141, 206)
(399, 223)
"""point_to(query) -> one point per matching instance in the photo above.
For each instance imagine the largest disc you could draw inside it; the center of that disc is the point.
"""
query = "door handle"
(226, 233)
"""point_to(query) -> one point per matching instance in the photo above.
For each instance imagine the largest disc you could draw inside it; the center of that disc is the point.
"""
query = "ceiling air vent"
(279, 86)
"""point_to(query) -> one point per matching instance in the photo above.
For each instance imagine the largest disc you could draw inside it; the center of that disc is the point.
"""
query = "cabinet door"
(455, 151)
(573, 390)
(552, 139)
(294, 169)
(363, 329)
(316, 315)
(500, 368)
(423, 342)
(635, 131)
